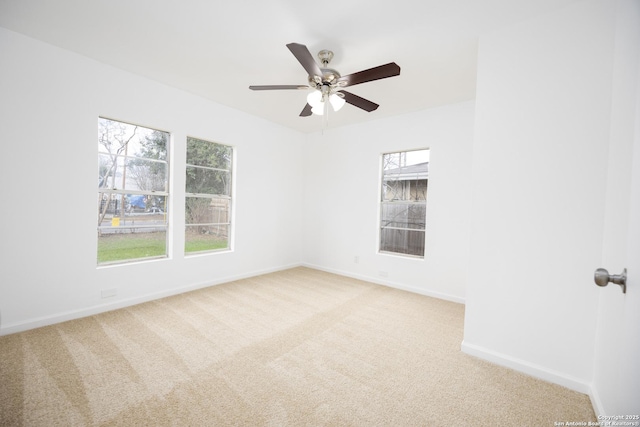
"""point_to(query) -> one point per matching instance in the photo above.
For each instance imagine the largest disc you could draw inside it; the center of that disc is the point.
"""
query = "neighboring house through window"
(208, 196)
(403, 202)
(133, 191)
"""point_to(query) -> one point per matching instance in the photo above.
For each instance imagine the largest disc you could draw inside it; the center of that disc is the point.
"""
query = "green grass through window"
(122, 247)
(198, 243)
(134, 246)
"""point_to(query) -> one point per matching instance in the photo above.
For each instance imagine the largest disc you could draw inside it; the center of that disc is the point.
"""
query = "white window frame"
(384, 203)
(212, 196)
(120, 193)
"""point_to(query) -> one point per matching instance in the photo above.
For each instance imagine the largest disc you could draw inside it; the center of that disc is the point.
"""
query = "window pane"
(208, 181)
(404, 215)
(129, 244)
(206, 237)
(402, 241)
(404, 189)
(139, 211)
(124, 139)
(206, 210)
(209, 154)
(126, 173)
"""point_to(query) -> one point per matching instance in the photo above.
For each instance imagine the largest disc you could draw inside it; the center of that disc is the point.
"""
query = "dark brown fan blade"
(278, 87)
(303, 56)
(381, 72)
(359, 102)
(306, 111)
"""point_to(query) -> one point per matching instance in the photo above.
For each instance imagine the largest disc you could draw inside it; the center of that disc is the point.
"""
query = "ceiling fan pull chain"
(325, 117)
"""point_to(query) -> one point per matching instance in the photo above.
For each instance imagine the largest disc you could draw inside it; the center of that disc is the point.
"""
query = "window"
(133, 192)
(403, 202)
(208, 196)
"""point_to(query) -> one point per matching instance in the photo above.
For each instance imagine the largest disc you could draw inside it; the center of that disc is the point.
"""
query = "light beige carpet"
(294, 348)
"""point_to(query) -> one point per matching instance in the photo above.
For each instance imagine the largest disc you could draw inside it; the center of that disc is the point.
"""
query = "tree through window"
(403, 202)
(133, 192)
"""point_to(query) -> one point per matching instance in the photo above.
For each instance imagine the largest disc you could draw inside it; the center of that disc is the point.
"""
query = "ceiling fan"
(328, 83)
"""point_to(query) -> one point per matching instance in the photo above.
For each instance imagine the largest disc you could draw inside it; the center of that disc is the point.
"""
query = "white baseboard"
(528, 368)
(388, 283)
(102, 308)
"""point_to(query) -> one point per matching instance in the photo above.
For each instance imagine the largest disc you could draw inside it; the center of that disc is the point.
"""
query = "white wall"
(543, 117)
(341, 199)
(50, 100)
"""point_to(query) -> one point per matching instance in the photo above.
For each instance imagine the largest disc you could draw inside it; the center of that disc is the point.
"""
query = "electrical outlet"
(383, 274)
(108, 293)
(356, 259)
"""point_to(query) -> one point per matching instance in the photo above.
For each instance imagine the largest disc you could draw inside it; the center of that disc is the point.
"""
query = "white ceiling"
(216, 49)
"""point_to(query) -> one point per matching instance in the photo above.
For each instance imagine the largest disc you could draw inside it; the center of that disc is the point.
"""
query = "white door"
(624, 398)
(627, 332)
(629, 369)
(630, 328)
(616, 385)
(617, 355)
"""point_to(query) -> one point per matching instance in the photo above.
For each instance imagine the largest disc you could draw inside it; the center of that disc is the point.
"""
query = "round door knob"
(601, 277)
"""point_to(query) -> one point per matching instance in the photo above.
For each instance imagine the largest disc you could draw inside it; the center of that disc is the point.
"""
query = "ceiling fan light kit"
(327, 83)
(319, 97)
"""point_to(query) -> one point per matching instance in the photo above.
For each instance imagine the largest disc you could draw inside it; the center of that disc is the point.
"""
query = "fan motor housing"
(329, 77)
